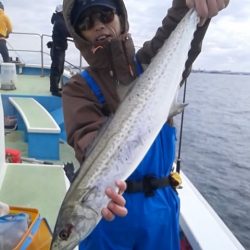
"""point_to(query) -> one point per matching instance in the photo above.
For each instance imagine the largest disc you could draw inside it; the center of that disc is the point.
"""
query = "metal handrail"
(41, 49)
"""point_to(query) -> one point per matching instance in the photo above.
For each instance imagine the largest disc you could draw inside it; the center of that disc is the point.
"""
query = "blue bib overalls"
(152, 222)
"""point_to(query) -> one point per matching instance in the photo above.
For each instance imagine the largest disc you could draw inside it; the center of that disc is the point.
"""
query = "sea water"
(216, 145)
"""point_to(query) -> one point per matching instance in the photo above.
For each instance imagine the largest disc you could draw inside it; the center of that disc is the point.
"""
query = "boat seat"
(38, 125)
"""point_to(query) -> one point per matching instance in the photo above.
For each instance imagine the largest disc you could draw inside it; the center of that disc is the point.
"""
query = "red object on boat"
(13, 155)
(184, 242)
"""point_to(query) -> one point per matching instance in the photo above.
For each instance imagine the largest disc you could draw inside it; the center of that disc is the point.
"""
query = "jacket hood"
(82, 44)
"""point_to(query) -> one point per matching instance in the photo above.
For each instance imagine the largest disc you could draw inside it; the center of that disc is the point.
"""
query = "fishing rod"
(178, 162)
(33, 160)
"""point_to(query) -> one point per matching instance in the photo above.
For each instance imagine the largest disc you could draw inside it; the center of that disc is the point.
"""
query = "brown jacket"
(111, 68)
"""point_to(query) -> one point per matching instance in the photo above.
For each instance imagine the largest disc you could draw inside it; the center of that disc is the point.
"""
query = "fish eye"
(65, 233)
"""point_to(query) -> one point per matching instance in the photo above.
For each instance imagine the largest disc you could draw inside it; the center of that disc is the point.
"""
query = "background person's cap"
(59, 8)
(82, 5)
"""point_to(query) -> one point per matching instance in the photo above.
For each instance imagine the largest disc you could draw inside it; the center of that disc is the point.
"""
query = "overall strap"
(90, 81)
(139, 68)
(93, 86)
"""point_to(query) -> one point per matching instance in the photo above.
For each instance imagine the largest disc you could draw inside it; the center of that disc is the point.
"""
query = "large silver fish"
(126, 139)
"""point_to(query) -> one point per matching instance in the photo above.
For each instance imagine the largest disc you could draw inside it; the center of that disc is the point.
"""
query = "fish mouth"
(61, 237)
(59, 245)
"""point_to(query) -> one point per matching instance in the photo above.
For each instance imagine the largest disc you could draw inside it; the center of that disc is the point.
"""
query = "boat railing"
(33, 47)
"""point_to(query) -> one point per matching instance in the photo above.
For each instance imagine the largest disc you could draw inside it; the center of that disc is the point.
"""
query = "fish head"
(75, 222)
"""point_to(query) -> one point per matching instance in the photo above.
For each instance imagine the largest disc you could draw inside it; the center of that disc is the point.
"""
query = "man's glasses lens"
(105, 16)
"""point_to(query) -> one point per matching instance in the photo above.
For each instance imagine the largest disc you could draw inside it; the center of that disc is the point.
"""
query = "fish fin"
(176, 109)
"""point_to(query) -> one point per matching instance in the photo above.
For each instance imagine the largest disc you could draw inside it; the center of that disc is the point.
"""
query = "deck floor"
(30, 84)
(44, 185)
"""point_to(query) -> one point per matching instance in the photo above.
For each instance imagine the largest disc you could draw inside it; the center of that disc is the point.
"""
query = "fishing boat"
(34, 150)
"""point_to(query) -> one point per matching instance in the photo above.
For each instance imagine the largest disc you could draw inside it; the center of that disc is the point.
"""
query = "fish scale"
(126, 139)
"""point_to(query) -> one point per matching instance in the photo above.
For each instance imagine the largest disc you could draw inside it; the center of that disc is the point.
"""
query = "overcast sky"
(226, 45)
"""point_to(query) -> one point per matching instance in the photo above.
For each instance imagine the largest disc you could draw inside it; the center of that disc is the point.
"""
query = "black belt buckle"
(149, 186)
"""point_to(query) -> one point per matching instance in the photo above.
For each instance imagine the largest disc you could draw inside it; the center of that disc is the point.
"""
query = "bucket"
(38, 235)
(8, 76)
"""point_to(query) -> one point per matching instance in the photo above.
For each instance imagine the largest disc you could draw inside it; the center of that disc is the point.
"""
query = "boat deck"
(43, 184)
(30, 85)
(34, 184)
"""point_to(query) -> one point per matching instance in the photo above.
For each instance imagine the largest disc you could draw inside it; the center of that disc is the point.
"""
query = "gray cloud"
(225, 46)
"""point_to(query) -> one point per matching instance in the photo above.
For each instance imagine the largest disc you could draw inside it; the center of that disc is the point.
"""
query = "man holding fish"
(150, 218)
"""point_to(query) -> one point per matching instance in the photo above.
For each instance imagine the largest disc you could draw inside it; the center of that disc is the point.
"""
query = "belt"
(148, 184)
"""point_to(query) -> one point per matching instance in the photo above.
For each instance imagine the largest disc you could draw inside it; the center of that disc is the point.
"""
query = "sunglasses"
(87, 22)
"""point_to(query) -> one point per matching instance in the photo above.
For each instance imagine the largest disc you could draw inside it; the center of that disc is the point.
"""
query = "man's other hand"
(116, 206)
(207, 8)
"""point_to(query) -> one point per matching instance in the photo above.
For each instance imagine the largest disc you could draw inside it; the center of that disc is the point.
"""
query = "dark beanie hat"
(81, 5)
(1, 6)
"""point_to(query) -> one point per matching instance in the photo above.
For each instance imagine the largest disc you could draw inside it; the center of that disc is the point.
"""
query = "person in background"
(58, 46)
(100, 31)
(5, 30)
